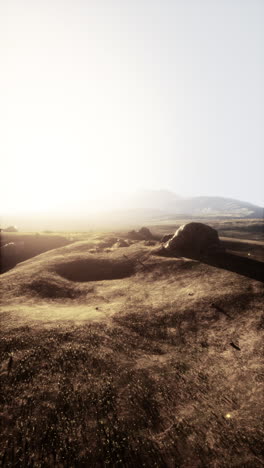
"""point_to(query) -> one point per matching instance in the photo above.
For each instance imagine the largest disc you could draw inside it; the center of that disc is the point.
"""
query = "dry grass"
(149, 382)
(152, 387)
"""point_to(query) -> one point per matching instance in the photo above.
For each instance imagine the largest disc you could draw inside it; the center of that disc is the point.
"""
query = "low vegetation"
(169, 375)
(141, 390)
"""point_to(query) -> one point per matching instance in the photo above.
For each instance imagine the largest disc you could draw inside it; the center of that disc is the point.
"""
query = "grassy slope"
(149, 380)
(26, 245)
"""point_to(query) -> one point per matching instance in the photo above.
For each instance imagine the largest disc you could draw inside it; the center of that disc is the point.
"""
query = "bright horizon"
(102, 97)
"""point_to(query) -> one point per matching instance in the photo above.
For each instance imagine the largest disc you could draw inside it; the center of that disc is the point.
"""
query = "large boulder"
(196, 238)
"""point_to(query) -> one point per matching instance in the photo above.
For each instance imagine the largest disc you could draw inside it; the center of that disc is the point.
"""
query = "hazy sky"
(107, 95)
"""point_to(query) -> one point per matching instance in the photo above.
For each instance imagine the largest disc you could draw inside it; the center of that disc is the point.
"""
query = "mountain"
(163, 202)
(218, 206)
(135, 209)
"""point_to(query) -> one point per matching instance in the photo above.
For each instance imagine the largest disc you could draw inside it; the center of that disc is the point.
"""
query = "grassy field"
(121, 357)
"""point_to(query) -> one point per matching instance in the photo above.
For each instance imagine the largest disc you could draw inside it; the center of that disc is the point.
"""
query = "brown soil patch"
(95, 269)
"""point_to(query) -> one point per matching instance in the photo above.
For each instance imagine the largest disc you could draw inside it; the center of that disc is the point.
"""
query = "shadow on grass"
(243, 266)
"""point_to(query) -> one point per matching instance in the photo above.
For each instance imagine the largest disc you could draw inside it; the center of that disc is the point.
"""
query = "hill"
(117, 356)
(168, 203)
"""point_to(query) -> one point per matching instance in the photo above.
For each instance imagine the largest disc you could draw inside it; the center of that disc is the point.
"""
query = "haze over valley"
(124, 210)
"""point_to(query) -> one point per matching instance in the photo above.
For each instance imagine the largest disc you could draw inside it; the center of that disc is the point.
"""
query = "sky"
(107, 96)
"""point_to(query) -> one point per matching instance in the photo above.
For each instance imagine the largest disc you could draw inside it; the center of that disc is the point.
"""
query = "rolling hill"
(117, 356)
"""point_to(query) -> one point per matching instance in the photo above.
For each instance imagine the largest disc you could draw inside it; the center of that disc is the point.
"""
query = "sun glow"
(52, 184)
(72, 131)
(109, 96)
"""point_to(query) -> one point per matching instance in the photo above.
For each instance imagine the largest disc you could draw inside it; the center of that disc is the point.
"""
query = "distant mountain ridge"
(139, 208)
(169, 203)
(220, 206)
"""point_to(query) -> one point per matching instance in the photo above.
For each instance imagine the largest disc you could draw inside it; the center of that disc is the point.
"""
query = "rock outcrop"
(142, 234)
(196, 238)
